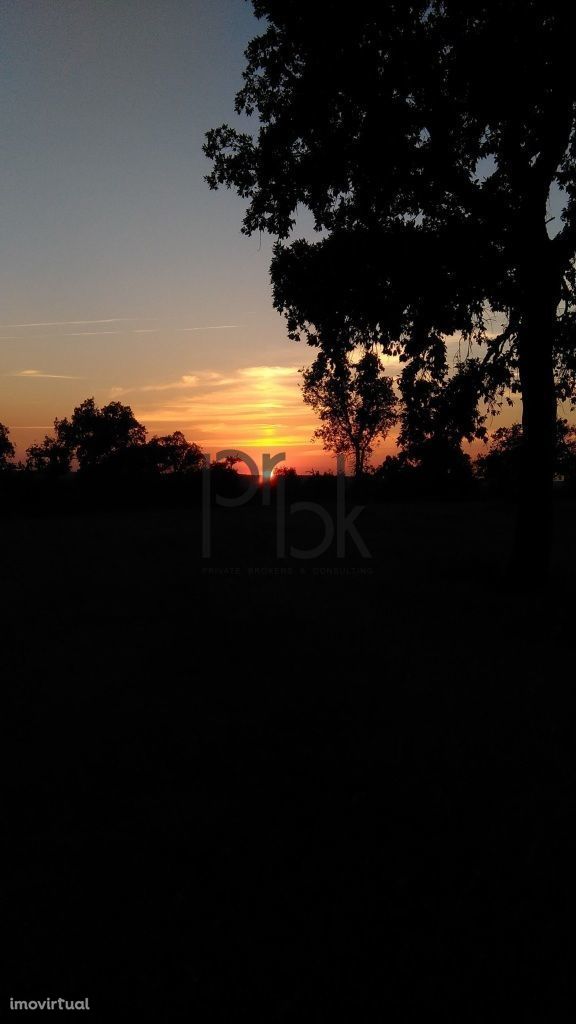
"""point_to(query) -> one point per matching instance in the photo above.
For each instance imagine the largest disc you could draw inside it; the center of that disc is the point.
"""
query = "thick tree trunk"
(534, 528)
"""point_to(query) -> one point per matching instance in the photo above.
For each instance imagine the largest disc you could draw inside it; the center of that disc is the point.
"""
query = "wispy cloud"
(216, 327)
(267, 373)
(73, 323)
(189, 380)
(255, 407)
(207, 378)
(36, 374)
(89, 334)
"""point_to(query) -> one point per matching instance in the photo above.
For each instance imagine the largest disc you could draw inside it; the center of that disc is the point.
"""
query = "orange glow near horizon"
(256, 410)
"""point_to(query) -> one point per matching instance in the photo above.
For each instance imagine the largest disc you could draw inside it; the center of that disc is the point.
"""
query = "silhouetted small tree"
(52, 457)
(285, 480)
(355, 402)
(225, 479)
(7, 450)
(501, 466)
(439, 412)
(172, 453)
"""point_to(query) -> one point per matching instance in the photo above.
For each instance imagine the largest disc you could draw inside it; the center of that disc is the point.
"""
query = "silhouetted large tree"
(96, 435)
(425, 138)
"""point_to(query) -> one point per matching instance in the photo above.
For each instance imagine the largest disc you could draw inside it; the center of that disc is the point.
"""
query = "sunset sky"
(123, 275)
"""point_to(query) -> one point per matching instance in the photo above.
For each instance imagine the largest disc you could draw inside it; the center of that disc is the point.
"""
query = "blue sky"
(121, 270)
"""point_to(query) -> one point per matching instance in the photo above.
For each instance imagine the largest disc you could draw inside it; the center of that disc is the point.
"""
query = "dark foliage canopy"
(425, 138)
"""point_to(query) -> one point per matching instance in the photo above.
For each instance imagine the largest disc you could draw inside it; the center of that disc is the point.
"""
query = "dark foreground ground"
(344, 792)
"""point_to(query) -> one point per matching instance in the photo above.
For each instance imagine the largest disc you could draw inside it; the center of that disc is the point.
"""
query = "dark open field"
(235, 793)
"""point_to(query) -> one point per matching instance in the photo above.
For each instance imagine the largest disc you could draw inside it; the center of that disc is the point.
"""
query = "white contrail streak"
(218, 327)
(73, 323)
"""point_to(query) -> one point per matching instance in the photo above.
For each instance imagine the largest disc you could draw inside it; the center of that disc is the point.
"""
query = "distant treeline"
(109, 439)
(97, 452)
